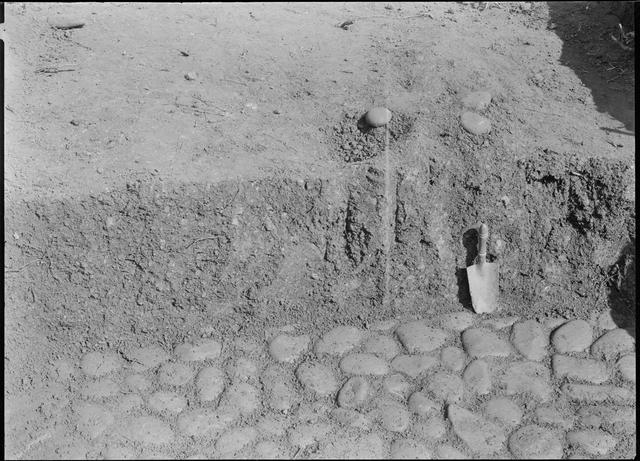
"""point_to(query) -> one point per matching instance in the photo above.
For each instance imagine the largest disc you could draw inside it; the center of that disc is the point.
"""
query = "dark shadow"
(622, 289)
(363, 126)
(605, 67)
(470, 243)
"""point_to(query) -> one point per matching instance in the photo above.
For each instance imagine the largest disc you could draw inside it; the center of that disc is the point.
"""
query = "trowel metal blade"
(483, 286)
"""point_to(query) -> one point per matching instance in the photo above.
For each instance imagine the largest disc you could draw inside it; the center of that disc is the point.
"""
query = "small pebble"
(378, 116)
(190, 76)
(475, 124)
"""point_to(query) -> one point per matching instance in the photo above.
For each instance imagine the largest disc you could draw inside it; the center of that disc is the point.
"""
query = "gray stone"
(417, 337)
(627, 367)
(100, 389)
(593, 442)
(480, 435)
(422, 405)
(453, 358)
(304, 435)
(529, 378)
(589, 393)
(244, 369)
(457, 321)
(504, 410)
(354, 393)
(591, 371)
(409, 449)
(573, 336)
(317, 378)
(445, 386)
(244, 397)
(477, 378)
(205, 421)
(530, 339)
(348, 446)
(475, 123)
(149, 430)
(210, 383)
(93, 420)
(205, 349)
(413, 365)
(339, 340)
(612, 344)
(144, 358)
(397, 386)
(378, 116)
(175, 374)
(500, 322)
(167, 401)
(364, 364)
(268, 449)
(553, 417)
(480, 342)
(535, 442)
(351, 418)
(129, 403)
(137, 382)
(477, 100)
(612, 419)
(449, 452)
(281, 392)
(288, 349)
(394, 415)
(97, 364)
(382, 346)
(234, 440)
(273, 426)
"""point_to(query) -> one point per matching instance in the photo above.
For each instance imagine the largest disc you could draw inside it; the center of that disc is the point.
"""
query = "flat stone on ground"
(354, 393)
(409, 449)
(480, 342)
(244, 397)
(480, 435)
(590, 393)
(364, 364)
(530, 340)
(477, 378)
(137, 382)
(397, 386)
(422, 405)
(529, 378)
(100, 389)
(144, 358)
(351, 418)
(288, 349)
(612, 344)
(382, 346)
(613, 419)
(235, 440)
(449, 452)
(280, 389)
(205, 421)
(210, 383)
(504, 410)
(167, 401)
(97, 364)
(418, 337)
(457, 321)
(317, 378)
(593, 442)
(573, 336)
(175, 374)
(588, 370)
(627, 367)
(347, 446)
(129, 403)
(432, 428)
(413, 365)
(475, 123)
(394, 416)
(268, 449)
(149, 430)
(204, 349)
(339, 340)
(93, 420)
(535, 442)
(304, 435)
(453, 358)
(445, 386)
(553, 417)
(500, 322)
(244, 369)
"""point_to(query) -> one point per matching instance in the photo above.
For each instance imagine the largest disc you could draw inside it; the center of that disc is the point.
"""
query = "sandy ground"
(174, 171)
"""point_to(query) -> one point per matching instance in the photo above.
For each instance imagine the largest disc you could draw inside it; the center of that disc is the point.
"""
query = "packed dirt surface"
(180, 173)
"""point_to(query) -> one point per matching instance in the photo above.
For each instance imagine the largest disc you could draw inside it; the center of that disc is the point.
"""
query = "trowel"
(483, 277)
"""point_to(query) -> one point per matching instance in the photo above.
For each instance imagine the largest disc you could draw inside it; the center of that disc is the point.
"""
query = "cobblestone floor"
(460, 386)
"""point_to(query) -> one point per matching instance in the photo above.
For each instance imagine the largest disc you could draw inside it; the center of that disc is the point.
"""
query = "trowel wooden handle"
(483, 236)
